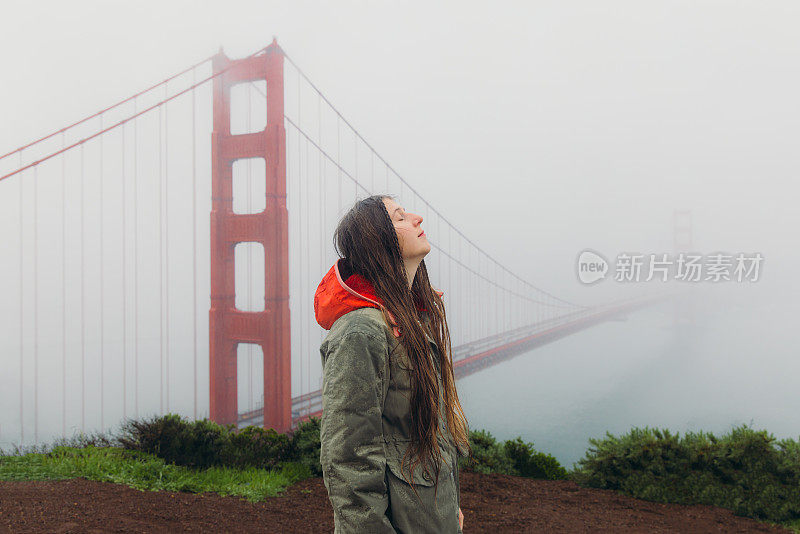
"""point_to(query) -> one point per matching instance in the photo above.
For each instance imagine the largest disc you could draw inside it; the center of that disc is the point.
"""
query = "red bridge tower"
(228, 326)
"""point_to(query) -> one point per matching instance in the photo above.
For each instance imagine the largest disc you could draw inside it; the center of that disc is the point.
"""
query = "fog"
(539, 130)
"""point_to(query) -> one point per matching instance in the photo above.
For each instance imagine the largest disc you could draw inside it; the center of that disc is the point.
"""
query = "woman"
(392, 426)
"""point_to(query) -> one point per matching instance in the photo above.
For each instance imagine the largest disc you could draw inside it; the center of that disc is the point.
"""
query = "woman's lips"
(422, 234)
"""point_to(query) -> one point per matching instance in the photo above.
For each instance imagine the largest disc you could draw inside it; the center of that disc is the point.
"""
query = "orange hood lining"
(332, 300)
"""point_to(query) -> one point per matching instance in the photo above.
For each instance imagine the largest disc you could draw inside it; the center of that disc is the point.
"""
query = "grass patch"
(746, 471)
(147, 472)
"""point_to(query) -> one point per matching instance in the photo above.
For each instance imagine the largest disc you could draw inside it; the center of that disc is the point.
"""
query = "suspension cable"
(388, 166)
(140, 93)
(123, 121)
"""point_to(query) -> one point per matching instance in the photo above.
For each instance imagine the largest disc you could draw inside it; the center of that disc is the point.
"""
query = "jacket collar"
(341, 291)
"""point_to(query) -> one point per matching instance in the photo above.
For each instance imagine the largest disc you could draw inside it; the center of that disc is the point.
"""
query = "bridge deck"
(480, 354)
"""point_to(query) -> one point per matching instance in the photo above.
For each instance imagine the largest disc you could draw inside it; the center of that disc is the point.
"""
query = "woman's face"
(413, 242)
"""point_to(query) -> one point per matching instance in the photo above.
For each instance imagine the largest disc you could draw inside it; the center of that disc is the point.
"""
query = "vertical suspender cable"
(339, 161)
(450, 268)
(21, 313)
(469, 286)
(63, 292)
(135, 265)
(300, 224)
(323, 196)
(477, 295)
(194, 241)
(102, 272)
(439, 258)
(462, 308)
(36, 304)
(501, 301)
(308, 275)
(355, 159)
(83, 307)
(463, 286)
(124, 291)
(161, 256)
(166, 237)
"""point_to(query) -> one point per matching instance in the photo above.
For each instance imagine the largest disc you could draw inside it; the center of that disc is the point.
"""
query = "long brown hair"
(366, 238)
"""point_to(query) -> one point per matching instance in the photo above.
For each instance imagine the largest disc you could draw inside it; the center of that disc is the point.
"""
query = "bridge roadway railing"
(471, 357)
(486, 352)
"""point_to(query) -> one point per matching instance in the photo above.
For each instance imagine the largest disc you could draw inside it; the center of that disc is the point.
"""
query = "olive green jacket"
(365, 424)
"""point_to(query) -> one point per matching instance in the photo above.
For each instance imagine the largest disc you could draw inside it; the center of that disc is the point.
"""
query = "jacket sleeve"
(355, 374)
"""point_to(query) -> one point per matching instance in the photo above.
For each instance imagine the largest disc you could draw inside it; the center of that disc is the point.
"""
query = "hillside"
(491, 503)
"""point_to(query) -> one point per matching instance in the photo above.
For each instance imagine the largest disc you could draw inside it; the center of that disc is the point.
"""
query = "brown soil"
(491, 503)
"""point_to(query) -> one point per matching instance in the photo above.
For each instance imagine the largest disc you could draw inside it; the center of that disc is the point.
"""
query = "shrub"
(204, 443)
(198, 444)
(255, 446)
(513, 457)
(487, 455)
(529, 463)
(305, 445)
(742, 471)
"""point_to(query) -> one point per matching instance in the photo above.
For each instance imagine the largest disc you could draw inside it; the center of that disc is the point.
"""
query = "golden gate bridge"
(161, 255)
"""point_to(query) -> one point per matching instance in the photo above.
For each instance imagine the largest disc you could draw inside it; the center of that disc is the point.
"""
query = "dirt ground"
(490, 503)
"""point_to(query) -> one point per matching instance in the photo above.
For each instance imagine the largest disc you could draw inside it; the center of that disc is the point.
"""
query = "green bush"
(529, 463)
(198, 444)
(488, 456)
(204, 443)
(742, 471)
(254, 446)
(513, 457)
(745, 471)
(305, 445)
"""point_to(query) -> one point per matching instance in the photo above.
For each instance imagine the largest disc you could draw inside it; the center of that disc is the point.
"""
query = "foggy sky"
(539, 129)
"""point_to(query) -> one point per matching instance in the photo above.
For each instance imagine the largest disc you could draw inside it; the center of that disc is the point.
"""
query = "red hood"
(336, 296)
